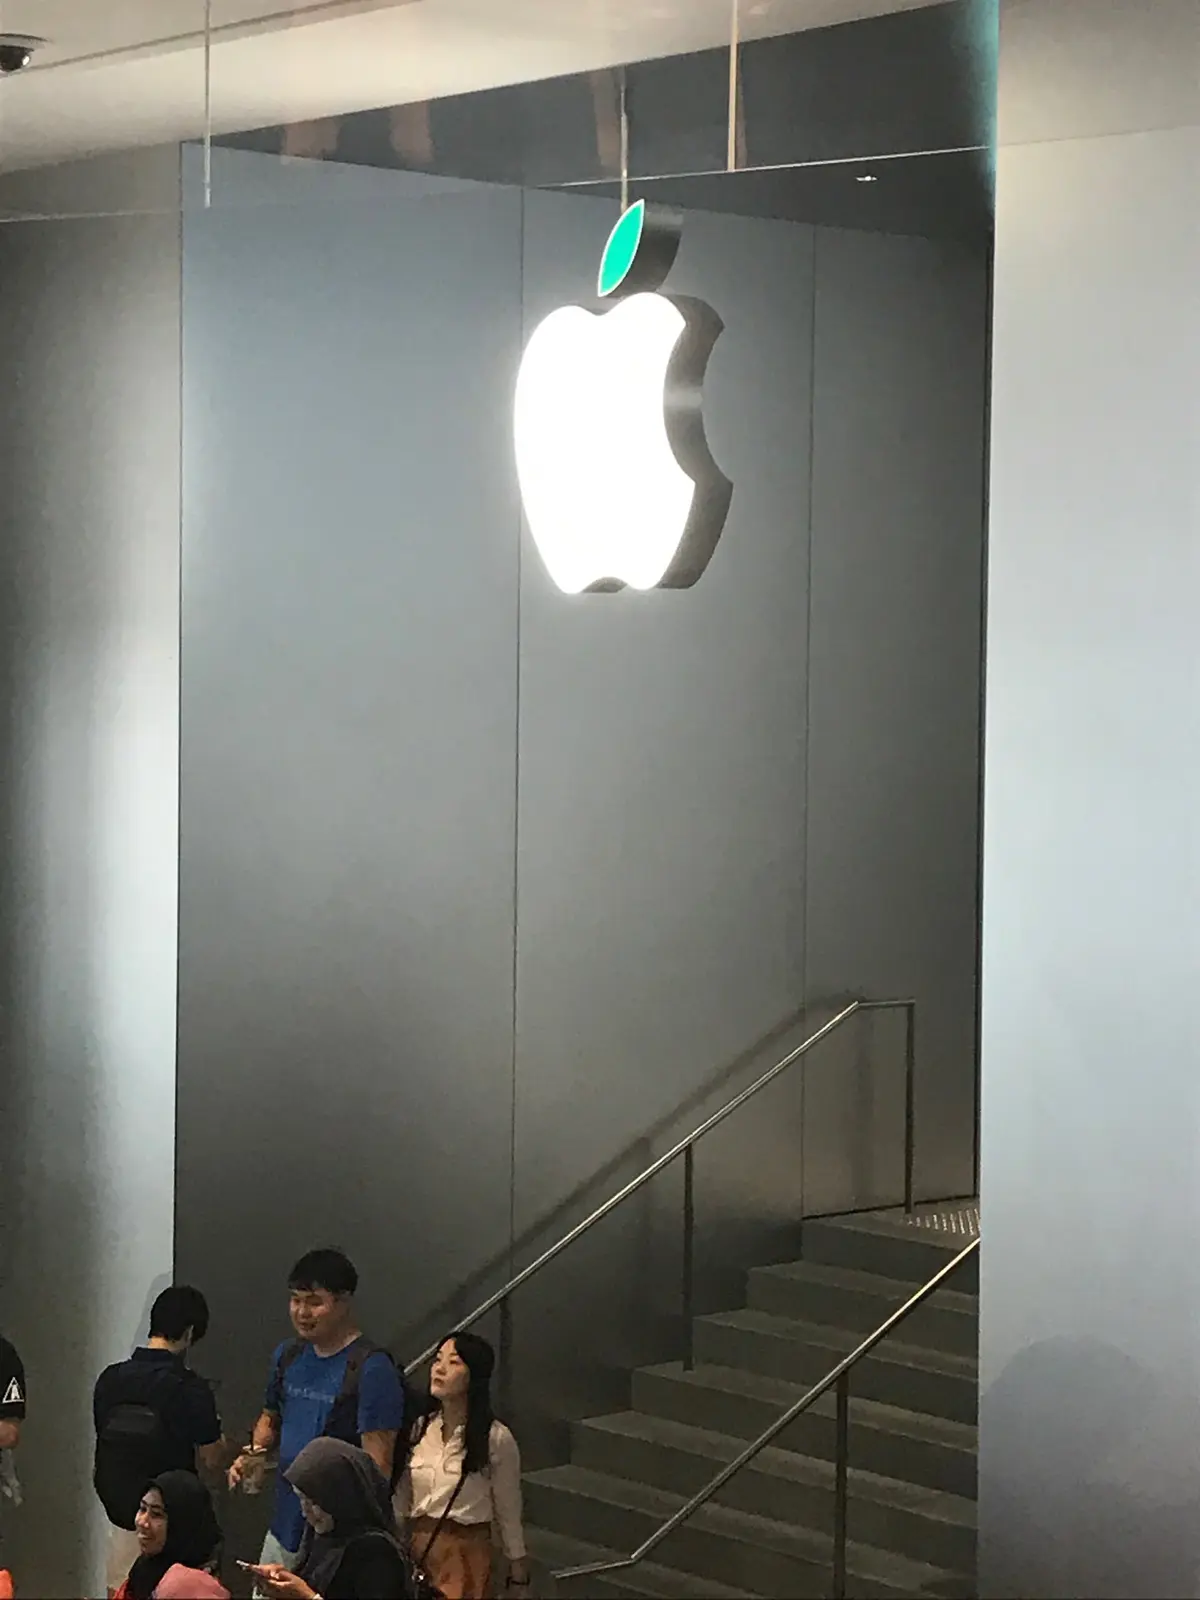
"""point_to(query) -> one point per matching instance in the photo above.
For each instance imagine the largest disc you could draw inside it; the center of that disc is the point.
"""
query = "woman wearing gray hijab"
(350, 1549)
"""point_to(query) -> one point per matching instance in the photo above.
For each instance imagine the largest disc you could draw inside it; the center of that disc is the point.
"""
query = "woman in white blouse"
(461, 1491)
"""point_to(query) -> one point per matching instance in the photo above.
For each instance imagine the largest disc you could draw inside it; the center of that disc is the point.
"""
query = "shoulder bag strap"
(441, 1523)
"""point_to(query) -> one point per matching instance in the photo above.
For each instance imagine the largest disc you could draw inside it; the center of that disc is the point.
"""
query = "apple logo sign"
(617, 480)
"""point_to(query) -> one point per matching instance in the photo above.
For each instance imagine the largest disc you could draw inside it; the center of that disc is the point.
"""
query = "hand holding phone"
(280, 1581)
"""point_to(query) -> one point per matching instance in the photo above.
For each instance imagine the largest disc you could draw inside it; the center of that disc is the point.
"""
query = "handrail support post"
(689, 1264)
(910, 1088)
(841, 1485)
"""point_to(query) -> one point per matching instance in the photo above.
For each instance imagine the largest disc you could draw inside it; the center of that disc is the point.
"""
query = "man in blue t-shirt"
(328, 1380)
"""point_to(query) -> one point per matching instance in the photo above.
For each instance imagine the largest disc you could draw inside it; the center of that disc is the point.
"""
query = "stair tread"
(788, 1539)
(721, 1448)
(778, 1391)
(557, 1550)
(868, 1282)
(841, 1341)
(893, 1224)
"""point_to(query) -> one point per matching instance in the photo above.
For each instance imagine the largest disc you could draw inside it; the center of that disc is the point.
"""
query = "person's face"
(316, 1312)
(319, 1521)
(450, 1375)
(151, 1523)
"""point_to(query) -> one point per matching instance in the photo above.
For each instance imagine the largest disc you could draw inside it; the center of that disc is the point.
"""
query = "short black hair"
(324, 1269)
(176, 1310)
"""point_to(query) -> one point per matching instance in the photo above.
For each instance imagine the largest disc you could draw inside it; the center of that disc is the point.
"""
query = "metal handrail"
(685, 1148)
(840, 1375)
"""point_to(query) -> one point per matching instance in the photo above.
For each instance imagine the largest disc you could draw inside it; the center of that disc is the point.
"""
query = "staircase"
(769, 1532)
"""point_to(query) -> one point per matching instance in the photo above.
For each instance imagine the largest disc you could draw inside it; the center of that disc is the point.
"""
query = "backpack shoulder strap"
(359, 1353)
(173, 1381)
(342, 1422)
(148, 1385)
(288, 1356)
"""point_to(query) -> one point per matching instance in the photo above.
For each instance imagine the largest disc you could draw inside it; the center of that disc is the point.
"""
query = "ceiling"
(121, 73)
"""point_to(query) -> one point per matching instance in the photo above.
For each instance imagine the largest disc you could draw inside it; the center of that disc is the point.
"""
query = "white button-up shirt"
(494, 1496)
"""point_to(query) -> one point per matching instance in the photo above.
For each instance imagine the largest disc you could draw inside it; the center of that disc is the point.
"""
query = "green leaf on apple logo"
(620, 252)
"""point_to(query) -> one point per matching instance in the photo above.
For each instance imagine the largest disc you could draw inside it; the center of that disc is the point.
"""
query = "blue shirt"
(303, 1401)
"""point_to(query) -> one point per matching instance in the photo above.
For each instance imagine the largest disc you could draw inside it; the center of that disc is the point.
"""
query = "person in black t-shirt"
(153, 1415)
(12, 1396)
(12, 1415)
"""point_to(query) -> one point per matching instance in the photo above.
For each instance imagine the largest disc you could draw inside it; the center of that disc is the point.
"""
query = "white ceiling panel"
(120, 73)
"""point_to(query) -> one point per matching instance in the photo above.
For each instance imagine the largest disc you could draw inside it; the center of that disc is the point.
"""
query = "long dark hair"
(479, 1358)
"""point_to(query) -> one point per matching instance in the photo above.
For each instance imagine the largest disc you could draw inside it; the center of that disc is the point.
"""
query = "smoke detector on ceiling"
(16, 51)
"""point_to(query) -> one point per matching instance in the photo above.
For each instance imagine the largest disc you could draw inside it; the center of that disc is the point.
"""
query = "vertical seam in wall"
(981, 735)
(807, 733)
(179, 152)
(512, 1129)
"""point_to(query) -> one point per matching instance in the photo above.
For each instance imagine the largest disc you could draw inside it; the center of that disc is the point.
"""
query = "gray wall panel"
(349, 732)
(1091, 1393)
(89, 583)
(893, 782)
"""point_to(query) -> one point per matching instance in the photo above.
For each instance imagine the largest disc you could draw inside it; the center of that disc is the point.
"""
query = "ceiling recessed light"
(866, 177)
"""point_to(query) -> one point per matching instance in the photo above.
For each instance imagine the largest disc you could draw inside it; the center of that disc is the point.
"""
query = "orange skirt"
(460, 1560)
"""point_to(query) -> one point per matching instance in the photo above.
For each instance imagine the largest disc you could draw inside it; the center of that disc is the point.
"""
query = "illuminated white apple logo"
(615, 473)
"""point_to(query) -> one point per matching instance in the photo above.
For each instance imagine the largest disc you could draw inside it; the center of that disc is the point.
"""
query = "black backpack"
(134, 1443)
(342, 1421)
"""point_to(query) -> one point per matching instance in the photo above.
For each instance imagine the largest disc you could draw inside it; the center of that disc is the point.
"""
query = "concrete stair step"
(931, 1451)
(889, 1246)
(925, 1524)
(551, 1552)
(756, 1553)
(802, 1352)
(844, 1297)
